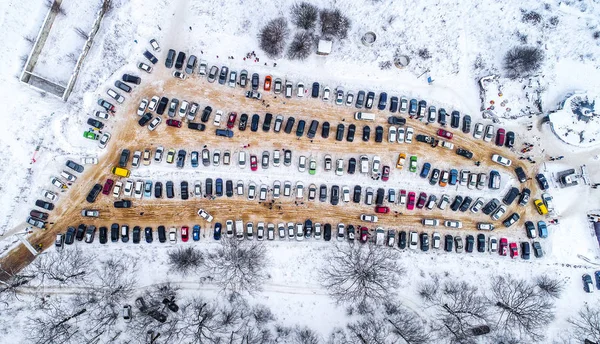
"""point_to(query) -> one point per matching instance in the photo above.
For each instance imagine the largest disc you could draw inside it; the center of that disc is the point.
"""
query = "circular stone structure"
(577, 121)
(369, 38)
(401, 61)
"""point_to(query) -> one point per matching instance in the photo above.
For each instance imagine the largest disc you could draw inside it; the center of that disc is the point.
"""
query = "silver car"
(212, 75)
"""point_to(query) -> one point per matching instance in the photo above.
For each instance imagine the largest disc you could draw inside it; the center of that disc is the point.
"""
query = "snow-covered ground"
(466, 41)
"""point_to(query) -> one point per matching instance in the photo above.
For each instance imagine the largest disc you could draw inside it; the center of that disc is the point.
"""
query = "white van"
(379, 236)
(364, 116)
(299, 190)
(242, 159)
(239, 229)
(430, 222)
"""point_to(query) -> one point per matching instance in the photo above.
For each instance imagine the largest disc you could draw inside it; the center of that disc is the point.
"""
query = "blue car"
(382, 101)
(196, 233)
(588, 286)
(412, 108)
(194, 159)
(542, 229)
(425, 170)
(217, 231)
(148, 189)
(453, 177)
(597, 276)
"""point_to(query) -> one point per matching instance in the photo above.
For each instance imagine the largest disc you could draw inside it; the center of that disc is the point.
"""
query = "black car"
(95, 123)
(524, 199)
(457, 202)
(510, 139)
(145, 119)
(124, 233)
(255, 81)
(448, 240)
(366, 134)
(455, 119)
(360, 99)
(464, 153)
(209, 187)
(325, 130)
(442, 116)
(469, 243)
(509, 221)
(91, 197)
(424, 138)
(170, 58)
(312, 129)
(162, 235)
(289, 124)
(380, 196)
(300, 128)
(357, 194)
(70, 236)
(229, 188)
(480, 243)
(217, 231)
(394, 104)
(206, 114)
(466, 203)
(114, 232)
(150, 57)
(351, 166)
(80, 232)
(350, 134)
(537, 249)
(510, 196)
(327, 232)
(402, 239)
(379, 134)
(122, 204)
(315, 90)
(396, 120)
(124, 158)
(335, 195)
(466, 126)
(196, 126)
(103, 235)
(323, 193)
(424, 242)
(148, 234)
(184, 190)
(267, 122)
(308, 228)
(131, 78)
(542, 182)
(181, 158)
(521, 174)
(382, 101)
(243, 122)
(137, 231)
(369, 100)
(224, 132)
(43, 204)
(491, 206)
(170, 191)
(122, 86)
(74, 166)
(530, 229)
(219, 187)
(254, 124)
(180, 60)
(158, 189)
(525, 250)
(339, 134)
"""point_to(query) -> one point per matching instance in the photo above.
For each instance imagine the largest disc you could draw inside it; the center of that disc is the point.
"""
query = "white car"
(339, 167)
(116, 96)
(139, 186)
(493, 244)
(202, 67)
(376, 164)
(229, 228)
(489, 133)
(349, 98)
(326, 94)
(173, 235)
(287, 189)
(197, 188)
(413, 240)
(276, 189)
(302, 163)
(499, 213)
(117, 189)
(341, 229)
(499, 159)
(154, 45)
(68, 176)
(300, 90)
(89, 161)
(392, 134)
(90, 213)
(346, 194)
(145, 67)
(453, 224)
(218, 116)
(179, 75)
(251, 191)
(369, 218)
(184, 108)
(58, 183)
(400, 134)
(153, 103)
(436, 240)
(143, 106)
(158, 154)
(409, 134)
(128, 189)
(548, 201)
(104, 140)
(242, 159)
(299, 190)
(101, 114)
(137, 157)
(203, 214)
(447, 144)
(339, 96)
(50, 195)
(262, 194)
(154, 123)
(299, 231)
(478, 131)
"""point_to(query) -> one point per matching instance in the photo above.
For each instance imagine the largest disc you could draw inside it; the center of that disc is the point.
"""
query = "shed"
(324, 47)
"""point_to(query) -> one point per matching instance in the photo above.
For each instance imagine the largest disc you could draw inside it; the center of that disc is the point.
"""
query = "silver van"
(430, 222)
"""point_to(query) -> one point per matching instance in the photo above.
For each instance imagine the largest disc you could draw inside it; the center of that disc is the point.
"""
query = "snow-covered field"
(466, 40)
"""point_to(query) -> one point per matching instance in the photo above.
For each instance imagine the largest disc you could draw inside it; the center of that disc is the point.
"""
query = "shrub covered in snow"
(272, 37)
(523, 61)
(334, 23)
(302, 46)
(304, 15)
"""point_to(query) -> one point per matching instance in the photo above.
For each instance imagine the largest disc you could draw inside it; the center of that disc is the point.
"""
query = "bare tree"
(304, 335)
(185, 259)
(338, 336)
(586, 325)
(523, 61)
(551, 286)
(272, 37)
(238, 266)
(302, 46)
(366, 330)
(360, 273)
(81, 33)
(521, 306)
(304, 15)
(57, 325)
(55, 7)
(67, 267)
(405, 325)
(11, 284)
(334, 23)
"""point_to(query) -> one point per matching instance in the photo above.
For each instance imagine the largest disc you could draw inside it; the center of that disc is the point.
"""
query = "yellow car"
(171, 156)
(401, 160)
(541, 207)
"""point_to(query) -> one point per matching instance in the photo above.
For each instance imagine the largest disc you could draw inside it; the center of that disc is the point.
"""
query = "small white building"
(324, 47)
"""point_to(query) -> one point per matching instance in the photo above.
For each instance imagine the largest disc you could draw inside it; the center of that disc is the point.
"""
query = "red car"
(364, 234)
(108, 186)
(385, 175)
(267, 83)
(253, 163)
(422, 200)
(174, 123)
(514, 252)
(184, 233)
(381, 209)
(503, 247)
(411, 201)
(444, 133)
(500, 135)
(231, 120)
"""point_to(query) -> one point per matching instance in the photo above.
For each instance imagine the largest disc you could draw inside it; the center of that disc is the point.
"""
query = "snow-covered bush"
(523, 61)
(302, 46)
(304, 15)
(334, 23)
(272, 37)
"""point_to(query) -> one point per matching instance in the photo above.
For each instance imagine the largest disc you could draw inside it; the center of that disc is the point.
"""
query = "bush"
(531, 17)
(523, 61)
(424, 54)
(185, 260)
(301, 46)
(304, 15)
(272, 37)
(334, 23)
